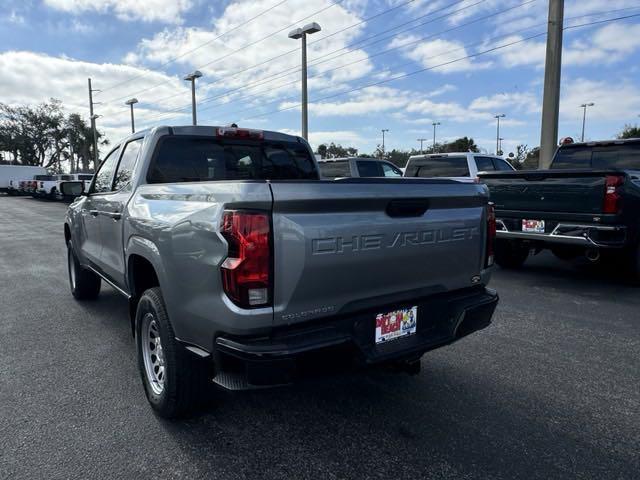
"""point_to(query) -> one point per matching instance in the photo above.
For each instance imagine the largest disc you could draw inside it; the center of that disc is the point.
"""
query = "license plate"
(534, 226)
(396, 324)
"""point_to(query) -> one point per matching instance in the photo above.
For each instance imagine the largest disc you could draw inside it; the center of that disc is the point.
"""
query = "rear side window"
(127, 162)
(438, 167)
(85, 177)
(194, 159)
(572, 157)
(484, 164)
(337, 169)
(368, 168)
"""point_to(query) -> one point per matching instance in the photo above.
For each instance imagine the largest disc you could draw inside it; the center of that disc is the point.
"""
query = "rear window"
(438, 167)
(195, 159)
(335, 169)
(626, 156)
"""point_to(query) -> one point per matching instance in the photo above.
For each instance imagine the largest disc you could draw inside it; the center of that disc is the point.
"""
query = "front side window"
(104, 176)
(390, 171)
(126, 165)
(502, 165)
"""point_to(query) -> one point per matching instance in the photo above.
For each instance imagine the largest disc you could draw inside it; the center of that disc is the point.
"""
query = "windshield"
(194, 159)
(438, 167)
(622, 156)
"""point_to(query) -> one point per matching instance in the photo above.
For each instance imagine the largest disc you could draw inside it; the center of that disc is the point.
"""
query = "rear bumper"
(584, 234)
(442, 319)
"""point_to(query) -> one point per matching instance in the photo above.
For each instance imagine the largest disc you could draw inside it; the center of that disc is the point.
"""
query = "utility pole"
(551, 98)
(192, 78)
(93, 127)
(498, 117)
(383, 131)
(584, 116)
(421, 140)
(435, 124)
(131, 102)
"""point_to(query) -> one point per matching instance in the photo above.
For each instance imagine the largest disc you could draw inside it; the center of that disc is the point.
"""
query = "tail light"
(491, 234)
(246, 272)
(612, 198)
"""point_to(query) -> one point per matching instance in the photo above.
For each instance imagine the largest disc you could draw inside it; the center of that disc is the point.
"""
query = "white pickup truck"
(49, 185)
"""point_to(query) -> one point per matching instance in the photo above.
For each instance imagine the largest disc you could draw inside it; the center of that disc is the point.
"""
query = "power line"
(287, 72)
(135, 77)
(257, 94)
(466, 57)
(333, 4)
(251, 67)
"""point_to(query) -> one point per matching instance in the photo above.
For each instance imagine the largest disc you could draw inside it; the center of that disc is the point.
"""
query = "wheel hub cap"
(153, 353)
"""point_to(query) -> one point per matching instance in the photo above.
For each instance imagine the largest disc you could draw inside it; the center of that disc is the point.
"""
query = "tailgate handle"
(407, 208)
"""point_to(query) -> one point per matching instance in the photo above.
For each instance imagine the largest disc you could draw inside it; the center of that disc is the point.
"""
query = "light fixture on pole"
(584, 116)
(384, 130)
(498, 117)
(421, 140)
(192, 78)
(301, 33)
(435, 124)
(131, 102)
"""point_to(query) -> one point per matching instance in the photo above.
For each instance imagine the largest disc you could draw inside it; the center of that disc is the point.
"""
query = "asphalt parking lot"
(550, 390)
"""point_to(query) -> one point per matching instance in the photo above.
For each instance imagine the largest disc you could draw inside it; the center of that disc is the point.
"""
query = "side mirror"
(72, 189)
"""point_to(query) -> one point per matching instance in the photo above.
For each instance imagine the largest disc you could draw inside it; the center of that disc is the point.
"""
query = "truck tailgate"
(567, 191)
(344, 246)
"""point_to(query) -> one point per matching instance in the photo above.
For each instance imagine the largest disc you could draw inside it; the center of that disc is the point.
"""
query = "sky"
(381, 64)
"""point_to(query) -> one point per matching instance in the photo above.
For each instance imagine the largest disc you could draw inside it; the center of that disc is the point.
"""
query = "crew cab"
(331, 168)
(240, 264)
(587, 203)
(460, 166)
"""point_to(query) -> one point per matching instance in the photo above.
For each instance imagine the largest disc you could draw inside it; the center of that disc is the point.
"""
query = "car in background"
(357, 167)
(461, 166)
(49, 186)
(10, 176)
(585, 204)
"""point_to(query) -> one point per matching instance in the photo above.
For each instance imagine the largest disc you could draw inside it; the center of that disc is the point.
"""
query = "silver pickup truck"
(243, 268)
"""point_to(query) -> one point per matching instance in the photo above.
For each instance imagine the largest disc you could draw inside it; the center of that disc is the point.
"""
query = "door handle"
(114, 215)
(94, 213)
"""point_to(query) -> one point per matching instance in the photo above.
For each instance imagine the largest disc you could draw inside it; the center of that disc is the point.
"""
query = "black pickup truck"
(587, 203)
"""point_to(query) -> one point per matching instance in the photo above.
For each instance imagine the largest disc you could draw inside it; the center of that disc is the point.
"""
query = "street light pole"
(584, 116)
(192, 78)
(421, 140)
(131, 102)
(498, 117)
(383, 132)
(301, 33)
(435, 124)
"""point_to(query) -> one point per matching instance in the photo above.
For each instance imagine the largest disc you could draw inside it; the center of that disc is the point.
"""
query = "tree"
(630, 132)
(463, 144)
(336, 151)
(517, 159)
(532, 159)
(42, 135)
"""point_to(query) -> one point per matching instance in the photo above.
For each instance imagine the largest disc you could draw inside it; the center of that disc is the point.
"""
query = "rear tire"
(175, 381)
(84, 284)
(510, 254)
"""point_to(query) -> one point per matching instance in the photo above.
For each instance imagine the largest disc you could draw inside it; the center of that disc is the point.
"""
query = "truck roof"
(212, 130)
(615, 141)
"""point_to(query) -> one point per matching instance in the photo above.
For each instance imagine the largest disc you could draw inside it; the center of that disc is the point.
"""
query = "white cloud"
(168, 11)
(521, 102)
(444, 56)
(615, 102)
(609, 44)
